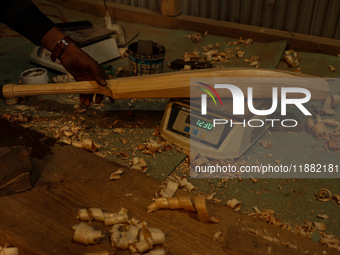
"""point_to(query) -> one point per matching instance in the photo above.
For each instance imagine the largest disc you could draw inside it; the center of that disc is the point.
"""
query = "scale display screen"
(207, 125)
(186, 121)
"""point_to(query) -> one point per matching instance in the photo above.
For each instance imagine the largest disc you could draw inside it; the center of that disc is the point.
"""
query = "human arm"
(25, 18)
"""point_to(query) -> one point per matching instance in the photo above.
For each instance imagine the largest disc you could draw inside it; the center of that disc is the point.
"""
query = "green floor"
(292, 199)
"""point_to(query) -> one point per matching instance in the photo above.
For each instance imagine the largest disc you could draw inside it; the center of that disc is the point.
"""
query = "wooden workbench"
(39, 221)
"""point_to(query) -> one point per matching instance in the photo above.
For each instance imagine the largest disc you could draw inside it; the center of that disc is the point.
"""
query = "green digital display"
(204, 124)
(207, 125)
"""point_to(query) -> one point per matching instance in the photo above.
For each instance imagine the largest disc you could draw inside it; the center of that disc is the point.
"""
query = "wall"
(315, 17)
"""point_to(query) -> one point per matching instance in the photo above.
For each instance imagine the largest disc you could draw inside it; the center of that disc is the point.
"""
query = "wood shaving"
(89, 214)
(170, 189)
(234, 204)
(115, 234)
(139, 164)
(186, 68)
(113, 219)
(323, 195)
(337, 198)
(118, 131)
(196, 37)
(185, 203)
(322, 216)
(124, 141)
(151, 147)
(141, 147)
(85, 234)
(333, 69)
(333, 145)
(211, 196)
(320, 226)
(329, 103)
(291, 58)
(318, 129)
(116, 175)
(217, 235)
(265, 144)
(128, 238)
(185, 184)
(208, 56)
(240, 53)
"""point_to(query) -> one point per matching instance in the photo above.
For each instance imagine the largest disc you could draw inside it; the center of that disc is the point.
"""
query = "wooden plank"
(39, 221)
(15, 169)
(296, 41)
(179, 85)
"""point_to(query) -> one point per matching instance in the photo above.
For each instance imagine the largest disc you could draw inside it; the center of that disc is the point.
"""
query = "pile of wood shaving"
(327, 129)
(125, 234)
(305, 230)
(331, 241)
(214, 53)
(16, 118)
(152, 147)
(253, 61)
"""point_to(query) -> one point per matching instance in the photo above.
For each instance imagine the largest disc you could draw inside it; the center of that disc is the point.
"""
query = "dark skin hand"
(78, 63)
(83, 68)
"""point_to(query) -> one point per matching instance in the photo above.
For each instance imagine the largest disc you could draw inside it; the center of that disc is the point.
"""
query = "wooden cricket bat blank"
(177, 85)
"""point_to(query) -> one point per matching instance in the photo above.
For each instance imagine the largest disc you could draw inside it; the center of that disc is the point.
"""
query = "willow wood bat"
(178, 85)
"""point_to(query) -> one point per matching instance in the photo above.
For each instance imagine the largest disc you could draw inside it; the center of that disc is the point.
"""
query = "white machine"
(183, 125)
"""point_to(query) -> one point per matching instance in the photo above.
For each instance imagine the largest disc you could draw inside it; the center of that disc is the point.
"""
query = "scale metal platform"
(183, 125)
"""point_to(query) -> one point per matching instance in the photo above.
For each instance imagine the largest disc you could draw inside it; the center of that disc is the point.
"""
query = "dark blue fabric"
(25, 18)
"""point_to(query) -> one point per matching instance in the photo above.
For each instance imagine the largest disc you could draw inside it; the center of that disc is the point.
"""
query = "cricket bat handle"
(84, 87)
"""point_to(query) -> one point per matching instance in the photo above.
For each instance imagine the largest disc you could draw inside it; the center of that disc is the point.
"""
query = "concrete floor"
(292, 199)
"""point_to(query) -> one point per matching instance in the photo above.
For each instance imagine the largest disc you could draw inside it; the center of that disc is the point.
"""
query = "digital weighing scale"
(183, 125)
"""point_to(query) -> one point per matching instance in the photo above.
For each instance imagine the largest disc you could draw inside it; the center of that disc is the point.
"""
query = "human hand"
(83, 68)
(78, 63)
